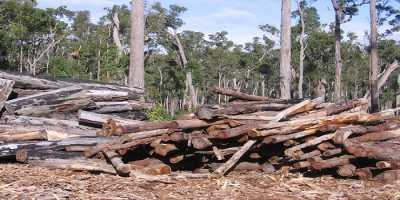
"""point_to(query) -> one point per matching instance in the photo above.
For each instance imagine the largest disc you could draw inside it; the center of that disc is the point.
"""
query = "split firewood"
(223, 169)
(5, 91)
(330, 163)
(318, 140)
(332, 152)
(347, 170)
(75, 165)
(116, 161)
(26, 155)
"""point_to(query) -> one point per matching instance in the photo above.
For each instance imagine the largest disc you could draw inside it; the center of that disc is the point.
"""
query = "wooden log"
(68, 106)
(281, 138)
(98, 120)
(333, 162)
(389, 176)
(326, 146)
(27, 82)
(201, 142)
(6, 87)
(75, 165)
(332, 152)
(67, 126)
(364, 173)
(344, 106)
(223, 169)
(138, 164)
(290, 143)
(27, 155)
(387, 150)
(289, 152)
(347, 170)
(145, 134)
(304, 106)
(44, 98)
(122, 106)
(250, 117)
(307, 155)
(77, 148)
(114, 128)
(218, 153)
(106, 95)
(377, 136)
(241, 95)
(156, 170)
(116, 160)
(344, 133)
(24, 136)
(164, 149)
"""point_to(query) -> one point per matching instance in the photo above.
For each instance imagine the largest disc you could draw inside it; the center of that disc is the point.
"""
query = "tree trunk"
(338, 58)
(285, 67)
(374, 68)
(116, 39)
(6, 89)
(136, 68)
(302, 49)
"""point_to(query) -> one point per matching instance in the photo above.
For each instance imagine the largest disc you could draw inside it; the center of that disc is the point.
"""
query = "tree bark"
(136, 67)
(285, 55)
(116, 38)
(374, 68)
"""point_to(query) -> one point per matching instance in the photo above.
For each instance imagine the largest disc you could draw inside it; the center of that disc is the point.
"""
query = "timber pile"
(248, 133)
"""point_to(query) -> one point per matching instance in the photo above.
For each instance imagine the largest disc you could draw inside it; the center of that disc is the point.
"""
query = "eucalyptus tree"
(136, 67)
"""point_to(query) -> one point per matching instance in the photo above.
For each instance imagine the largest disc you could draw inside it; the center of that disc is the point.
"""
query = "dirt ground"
(25, 182)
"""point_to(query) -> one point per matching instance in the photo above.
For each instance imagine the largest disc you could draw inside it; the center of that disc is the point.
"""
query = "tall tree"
(285, 57)
(338, 6)
(374, 68)
(301, 56)
(136, 67)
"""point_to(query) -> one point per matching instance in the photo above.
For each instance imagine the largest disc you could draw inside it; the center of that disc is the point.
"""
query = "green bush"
(158, 113)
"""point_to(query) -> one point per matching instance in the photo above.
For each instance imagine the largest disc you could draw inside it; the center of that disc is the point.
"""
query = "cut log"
(376, 136)
(145, 134)
(241, 95)
(27, 136)
(344, 106)
(116, 160)
(98, 120)
(201, 142)
(45, 98)
(25, 155)
(223, 169)
(332, 152)
(75, 165)
(364, 173)
(6, 87)
(307, 155)
(114, 128)
(106, 95)
(290, 143)
(218, 153)
(388, 164)
(164, 149)
(326, 146)
(233, 132)
(348, 170)
(68, 106)
(289, 152)
(281, 138)
(123, 106)
(27, 82)
(387, 150)
(331, 163)
(304, 106)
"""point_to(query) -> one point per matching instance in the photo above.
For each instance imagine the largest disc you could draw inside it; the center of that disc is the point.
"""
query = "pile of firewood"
(249, 133)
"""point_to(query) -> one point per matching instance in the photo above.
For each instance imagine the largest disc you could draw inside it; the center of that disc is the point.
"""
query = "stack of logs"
(249, 133)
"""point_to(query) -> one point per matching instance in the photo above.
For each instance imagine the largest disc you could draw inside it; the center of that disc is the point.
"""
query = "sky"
(240, 18)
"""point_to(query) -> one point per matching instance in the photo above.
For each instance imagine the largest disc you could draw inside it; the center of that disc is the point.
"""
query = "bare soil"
(25, 182)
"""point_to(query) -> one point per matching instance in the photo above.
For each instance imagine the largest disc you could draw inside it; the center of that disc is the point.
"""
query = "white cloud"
(232, 13)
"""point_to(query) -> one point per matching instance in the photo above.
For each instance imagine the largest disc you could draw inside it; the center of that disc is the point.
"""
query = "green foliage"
(158, 113)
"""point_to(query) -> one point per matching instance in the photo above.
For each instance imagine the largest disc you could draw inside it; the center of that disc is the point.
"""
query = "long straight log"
(304, 106)
(307, 155)
(45, 98)
(387, 150)
(241, 95)
(98, 120)
(116, 161)
(281, 138)
(27, 136)
(75, 165)
(223, 169)
(330, 163)
(377, 136)
(318, 140)
(122, 106)
(332, 152)
(26, 155)
(68, 106)
(6, 87)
